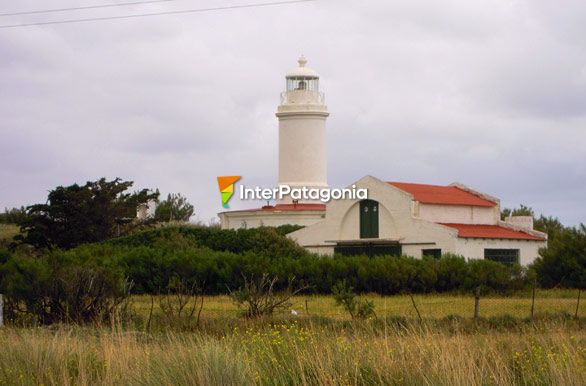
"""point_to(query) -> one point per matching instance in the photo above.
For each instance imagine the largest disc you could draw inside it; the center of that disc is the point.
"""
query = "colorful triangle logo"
(226, 185)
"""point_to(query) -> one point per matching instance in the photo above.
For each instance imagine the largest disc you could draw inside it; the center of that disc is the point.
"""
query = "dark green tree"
(550, 225)
(174, 208)
(563, 262)
(13, 216)
(521, 211)
(76, 214)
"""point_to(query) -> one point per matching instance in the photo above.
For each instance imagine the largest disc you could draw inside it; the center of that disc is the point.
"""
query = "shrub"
(563, 262)
(265, 241)
(344, 296)
(258, 296)
(488, 275)
(60, 288)
(451, 271)
(222, 258)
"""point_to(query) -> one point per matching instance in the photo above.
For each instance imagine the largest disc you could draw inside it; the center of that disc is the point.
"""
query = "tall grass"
(8, 231)
(430, 306)
(295, 353)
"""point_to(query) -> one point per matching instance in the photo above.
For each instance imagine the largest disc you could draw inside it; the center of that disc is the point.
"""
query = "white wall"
(474, 248)
(257, 218)
(302, 150)
(459, 214)
(342, 222)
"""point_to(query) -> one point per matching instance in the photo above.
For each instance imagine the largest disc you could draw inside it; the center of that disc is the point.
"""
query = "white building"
(397, 218)
(419, 220)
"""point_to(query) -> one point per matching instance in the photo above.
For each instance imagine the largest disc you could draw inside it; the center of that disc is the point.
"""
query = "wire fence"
(478, 304)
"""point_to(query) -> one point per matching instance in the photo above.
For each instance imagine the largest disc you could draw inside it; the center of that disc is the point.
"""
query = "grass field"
(8, 231)
(429, 306)
(322, 348)
(289, 353)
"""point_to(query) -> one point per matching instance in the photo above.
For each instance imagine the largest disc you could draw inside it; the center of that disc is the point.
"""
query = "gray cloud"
(489, 93)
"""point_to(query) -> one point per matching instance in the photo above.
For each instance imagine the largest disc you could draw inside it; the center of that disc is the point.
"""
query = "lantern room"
(302, 78)
(302, 86)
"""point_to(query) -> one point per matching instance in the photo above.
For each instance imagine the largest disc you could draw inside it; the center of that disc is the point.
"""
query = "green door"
(368, 219)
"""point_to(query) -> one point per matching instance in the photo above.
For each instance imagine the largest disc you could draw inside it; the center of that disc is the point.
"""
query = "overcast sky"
(488, 93)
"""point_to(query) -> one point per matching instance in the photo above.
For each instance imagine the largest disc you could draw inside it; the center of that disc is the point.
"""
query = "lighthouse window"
(295, 84)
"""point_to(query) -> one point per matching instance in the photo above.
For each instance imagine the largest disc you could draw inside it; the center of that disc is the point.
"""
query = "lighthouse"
(302, 118)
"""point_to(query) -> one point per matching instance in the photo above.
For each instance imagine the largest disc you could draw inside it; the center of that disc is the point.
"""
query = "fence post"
(533, 299)
(415, 306)
(476, 303)
(1, 310)
(578, 303)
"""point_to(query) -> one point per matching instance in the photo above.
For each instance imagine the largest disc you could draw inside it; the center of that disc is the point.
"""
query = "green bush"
(357, 308)
(264, 241)
(563, 262)
(219, 259)
(61, 287)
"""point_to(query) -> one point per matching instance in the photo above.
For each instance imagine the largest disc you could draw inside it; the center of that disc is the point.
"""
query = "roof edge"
(475, 192)
(534, 234)
(517, 228)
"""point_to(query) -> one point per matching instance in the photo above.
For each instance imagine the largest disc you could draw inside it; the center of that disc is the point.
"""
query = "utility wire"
(198, 10)
(84, 7)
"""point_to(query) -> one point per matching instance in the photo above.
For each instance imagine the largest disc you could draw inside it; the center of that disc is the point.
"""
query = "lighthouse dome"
(301, 71)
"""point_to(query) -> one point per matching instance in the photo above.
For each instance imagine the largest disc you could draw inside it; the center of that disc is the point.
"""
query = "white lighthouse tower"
(302, 118)
(302, 131)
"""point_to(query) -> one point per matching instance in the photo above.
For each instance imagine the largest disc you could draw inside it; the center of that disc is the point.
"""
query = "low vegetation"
(345, 297)
(7, 234)
(170, 333)
(180, 304)
(258, 297)
(286, 352)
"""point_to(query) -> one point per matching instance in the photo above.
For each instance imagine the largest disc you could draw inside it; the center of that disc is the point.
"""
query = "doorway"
(368, 219)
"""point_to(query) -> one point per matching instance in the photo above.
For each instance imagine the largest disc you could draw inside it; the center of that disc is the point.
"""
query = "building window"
(368, 219)
(436, 253)
(369, 250)
(505, 256)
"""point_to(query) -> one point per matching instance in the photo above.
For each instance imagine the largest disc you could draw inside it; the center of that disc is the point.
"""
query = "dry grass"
(430, 306)
(288, 354)
(8, 231)
(322, 348)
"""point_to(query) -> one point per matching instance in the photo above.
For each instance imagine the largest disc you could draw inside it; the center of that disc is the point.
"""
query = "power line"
(82, 8)
(198, 10)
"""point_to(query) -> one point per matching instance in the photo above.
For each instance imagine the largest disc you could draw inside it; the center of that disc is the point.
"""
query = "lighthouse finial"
(302, 61)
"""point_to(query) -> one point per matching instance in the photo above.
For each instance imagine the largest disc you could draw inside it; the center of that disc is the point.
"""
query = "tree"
(76, 214)
(563, 262)
(521, 211)
(174, 208)
(550, 225)
(13, 216)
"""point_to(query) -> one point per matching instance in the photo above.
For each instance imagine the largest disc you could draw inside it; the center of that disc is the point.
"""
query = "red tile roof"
(446, 195)
(491, 232)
